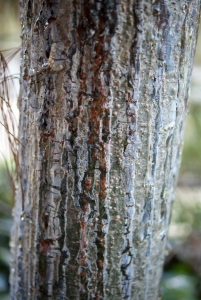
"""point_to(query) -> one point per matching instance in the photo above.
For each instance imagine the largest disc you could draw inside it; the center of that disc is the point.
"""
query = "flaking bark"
(104, 90)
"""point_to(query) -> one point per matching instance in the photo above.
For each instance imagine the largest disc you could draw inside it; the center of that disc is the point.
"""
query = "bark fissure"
(104, 91)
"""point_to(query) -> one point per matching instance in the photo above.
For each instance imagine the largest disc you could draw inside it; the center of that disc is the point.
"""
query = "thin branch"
(11, 134)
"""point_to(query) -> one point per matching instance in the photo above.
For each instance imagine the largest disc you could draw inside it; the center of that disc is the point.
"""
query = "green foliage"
(187, 208)
(191, 157)
(5, 186)
(6, 199)
(177, 286)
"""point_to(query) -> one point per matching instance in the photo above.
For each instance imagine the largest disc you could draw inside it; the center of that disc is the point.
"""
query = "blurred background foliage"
(182, 270)
(10, 25)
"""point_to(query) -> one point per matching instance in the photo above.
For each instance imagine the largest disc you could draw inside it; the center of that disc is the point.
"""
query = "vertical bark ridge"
(130, 150)
(103, 98)
(92, 110)
(99, 128)
(162, 113)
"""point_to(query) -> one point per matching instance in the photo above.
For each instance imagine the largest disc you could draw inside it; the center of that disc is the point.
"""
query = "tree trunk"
(104, 90)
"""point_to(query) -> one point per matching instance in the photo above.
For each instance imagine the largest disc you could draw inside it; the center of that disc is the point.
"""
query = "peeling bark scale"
(104, 90)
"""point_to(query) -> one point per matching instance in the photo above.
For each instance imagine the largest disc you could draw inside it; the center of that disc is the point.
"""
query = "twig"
(11, 134)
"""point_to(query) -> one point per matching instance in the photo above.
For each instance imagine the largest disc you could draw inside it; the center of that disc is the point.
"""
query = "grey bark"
(104, 90)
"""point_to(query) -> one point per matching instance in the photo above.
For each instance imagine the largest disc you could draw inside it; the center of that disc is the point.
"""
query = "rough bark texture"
(104, 91)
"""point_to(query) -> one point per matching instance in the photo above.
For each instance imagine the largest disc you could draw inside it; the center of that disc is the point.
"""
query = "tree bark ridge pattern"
(104, 95)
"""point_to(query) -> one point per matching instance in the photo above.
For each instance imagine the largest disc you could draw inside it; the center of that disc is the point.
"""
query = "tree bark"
(104, 90)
